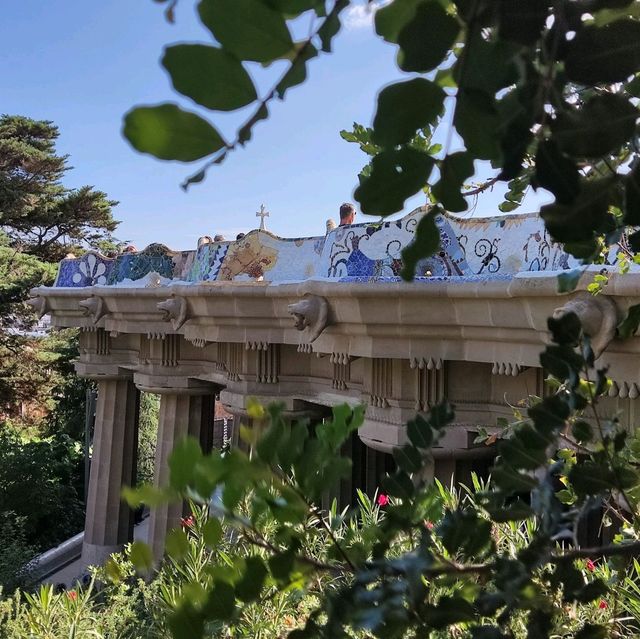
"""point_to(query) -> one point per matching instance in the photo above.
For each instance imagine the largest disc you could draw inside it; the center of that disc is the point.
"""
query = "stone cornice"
(484, 320)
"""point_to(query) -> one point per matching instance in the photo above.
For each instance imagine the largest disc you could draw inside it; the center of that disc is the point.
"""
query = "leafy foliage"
(433, 563)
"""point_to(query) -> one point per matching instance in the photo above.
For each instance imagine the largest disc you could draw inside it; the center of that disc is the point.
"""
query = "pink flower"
(187, 522)
(72, 594)
(428, 524)
(383, 500)
(590, 566)
(603, 604)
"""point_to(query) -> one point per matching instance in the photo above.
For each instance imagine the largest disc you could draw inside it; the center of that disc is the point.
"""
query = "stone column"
(182, 412)
(109, 521)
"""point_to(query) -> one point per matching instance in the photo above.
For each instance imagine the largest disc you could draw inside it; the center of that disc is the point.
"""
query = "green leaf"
(248, 29)
(582, 431)
(250, 585)
(632, 203)
(464, 531)
(590, 478)
(408, 458)
(209, 76)
(582, 219)
(169, 133)
(267, 446)
(212, 532)
(399, 485)
(395, 176)
(449, 611)
(221, 602)
(454, 170)
(186, 622)
(391, 19)
(489, 67)
(293, 8)
(297, 72)
(420, 432)
(147, 494)
(331, 25)
(425, 243)
(568, 280)
(182, 462)
(520, 456)
(477, 121)
(513, 481)
(177, 544)
(600, 127)
(522, 21)
(628, 327)
(556, 172)
(405, 107)
(592, 631)
(427, 38)
(604, 54)
(140, 556)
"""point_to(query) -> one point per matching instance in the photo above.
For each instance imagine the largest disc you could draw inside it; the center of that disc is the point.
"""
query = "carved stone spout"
(598, 315)
(39, 305)
(174, 310)
(93, 307)
(312, 313)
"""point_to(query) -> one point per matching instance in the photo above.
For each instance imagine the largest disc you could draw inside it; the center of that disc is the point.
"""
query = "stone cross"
(262, 213)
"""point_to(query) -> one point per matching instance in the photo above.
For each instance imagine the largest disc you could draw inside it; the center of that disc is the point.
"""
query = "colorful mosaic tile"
(473, 247)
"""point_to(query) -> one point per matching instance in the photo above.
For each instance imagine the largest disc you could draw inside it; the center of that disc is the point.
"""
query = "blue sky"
(83, 64)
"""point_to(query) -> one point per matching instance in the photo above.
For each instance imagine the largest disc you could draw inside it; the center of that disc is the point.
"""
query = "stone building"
(314, 322)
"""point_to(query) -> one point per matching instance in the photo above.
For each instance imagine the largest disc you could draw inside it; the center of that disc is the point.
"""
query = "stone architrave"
(182, 412)
(109, 520)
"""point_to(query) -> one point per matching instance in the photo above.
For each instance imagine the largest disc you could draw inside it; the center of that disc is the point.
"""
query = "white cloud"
(360, 16)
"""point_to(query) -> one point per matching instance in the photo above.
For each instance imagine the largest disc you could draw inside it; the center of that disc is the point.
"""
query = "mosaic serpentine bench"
(470, 248)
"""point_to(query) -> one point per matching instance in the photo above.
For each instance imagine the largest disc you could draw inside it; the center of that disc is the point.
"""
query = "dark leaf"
(632, 204)
(522, 21)
(405, 107)
(454, 170)
(582, 431)
(391, 19)
(427, 38)
(182, 462)
(297, 73)
(516, 454)
(293, 8)
(408, 458)
(399, 485)
(249, 29)
(448, 611)
(221, 602)
(169, 133)
(245, 132)
(209, 76)
(591, 478)
(568, 280)
(186, 622)
(250, 585)
(425, 243)
(420, 432)
(592, 631)
(600, 127)
(629, 325)
(476, 120)
(604, 54)
(331, 25)
(579, 221)
(395, 176)
(557, 173)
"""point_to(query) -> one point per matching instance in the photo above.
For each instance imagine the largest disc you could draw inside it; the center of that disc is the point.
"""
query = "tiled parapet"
(469, 248)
